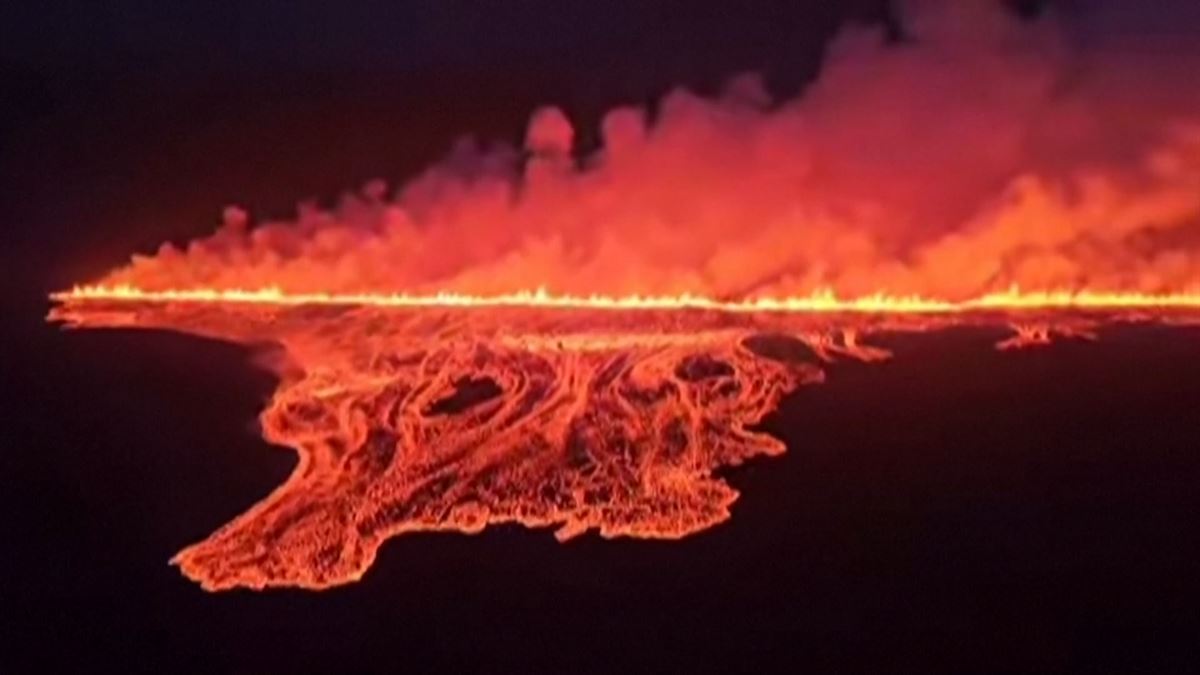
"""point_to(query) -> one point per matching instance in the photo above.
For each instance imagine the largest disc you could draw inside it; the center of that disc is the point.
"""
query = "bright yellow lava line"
(820, 301)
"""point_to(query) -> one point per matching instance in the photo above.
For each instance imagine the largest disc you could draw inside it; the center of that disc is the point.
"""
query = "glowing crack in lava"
(458, 416)
(700, 263)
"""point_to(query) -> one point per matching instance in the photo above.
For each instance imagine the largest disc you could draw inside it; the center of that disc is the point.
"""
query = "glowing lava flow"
(819, 301)
(453, 412)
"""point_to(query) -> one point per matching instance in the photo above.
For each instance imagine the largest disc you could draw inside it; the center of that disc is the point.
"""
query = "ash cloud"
(979, 152)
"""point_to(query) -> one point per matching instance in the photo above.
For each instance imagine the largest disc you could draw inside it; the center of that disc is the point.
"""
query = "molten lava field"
(455, 418)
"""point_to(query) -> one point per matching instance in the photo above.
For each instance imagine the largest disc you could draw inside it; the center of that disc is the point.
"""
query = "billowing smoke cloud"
(979, 152)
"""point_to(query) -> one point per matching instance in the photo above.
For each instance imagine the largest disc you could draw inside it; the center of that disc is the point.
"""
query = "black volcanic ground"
(956, 506)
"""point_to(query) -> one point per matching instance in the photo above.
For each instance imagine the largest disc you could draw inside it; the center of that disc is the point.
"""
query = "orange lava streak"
(818, 301)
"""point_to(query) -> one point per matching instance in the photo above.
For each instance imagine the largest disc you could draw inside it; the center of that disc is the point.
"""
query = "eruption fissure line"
(819, 301)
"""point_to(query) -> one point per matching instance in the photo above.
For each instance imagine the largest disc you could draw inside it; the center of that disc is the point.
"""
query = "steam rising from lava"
(979, 153)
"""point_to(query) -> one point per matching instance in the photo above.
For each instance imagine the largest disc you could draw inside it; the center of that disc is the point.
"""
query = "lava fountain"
(705, 261)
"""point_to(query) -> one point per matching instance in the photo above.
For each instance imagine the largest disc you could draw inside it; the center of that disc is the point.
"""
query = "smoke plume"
(979, 151)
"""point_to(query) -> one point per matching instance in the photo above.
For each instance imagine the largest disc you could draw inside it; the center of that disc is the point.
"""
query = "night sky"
(268, 104)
